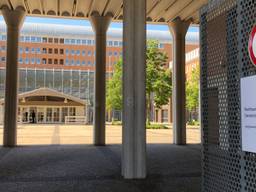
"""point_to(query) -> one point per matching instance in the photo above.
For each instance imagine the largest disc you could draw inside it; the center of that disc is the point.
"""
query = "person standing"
(33, 116)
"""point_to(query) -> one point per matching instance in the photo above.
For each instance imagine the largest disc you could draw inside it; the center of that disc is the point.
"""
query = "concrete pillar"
(134, 86)
(14, 20)
(179, 29)
(100, 25)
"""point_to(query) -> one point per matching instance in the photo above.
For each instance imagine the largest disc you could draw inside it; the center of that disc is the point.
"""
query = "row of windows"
(55, 61)
(36, 39)
(77, 83)
(59, 51)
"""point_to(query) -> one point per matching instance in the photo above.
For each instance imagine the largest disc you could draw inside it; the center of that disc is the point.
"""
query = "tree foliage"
(192, 89)
(158, 81)
(114, 88)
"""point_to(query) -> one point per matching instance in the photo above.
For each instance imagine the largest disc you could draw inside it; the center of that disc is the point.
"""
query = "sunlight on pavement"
(82, 134)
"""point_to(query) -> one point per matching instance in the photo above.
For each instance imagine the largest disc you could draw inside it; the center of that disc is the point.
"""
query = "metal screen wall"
(225, 28)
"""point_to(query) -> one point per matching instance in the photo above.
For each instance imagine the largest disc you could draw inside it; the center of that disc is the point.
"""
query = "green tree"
(158, 81)
(114, 89)
(192, 90)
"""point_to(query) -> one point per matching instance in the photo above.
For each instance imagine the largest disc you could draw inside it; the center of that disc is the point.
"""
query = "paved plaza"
(76, 165)
(86, 168)
(38, 134)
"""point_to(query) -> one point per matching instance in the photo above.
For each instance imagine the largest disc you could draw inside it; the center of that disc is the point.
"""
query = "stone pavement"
(86, 168)
(29, 134)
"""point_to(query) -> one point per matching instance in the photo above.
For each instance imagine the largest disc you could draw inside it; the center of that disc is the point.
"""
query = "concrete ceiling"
(158, 11)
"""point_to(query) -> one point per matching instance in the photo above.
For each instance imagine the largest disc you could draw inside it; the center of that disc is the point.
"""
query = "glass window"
(20, 60)
(20, 50)
(44, 50)
(61, 40)
(50, 40)
(161, 45)
(27, 39)
(66, 41)
(73, 41)
(4, 37)
(120, 43)
(39, 78)
(77, 52)
(3, 59)
(89, 63)
(72, 52)
(75, 83)
(66, 62)
(115, 43)
(58, 80)
(50, 50)
(61, 61)
(72, 62)
(33, 39)
(77, 62)
(67, 78)
(49, 78)
(38, 61)
(22, 80)
(61, 51)
(32, 60)
(164, 116)
(55, 61)
(83, 63)
(38, 39)
(27, 61)
(84, 42)
(38, 50)
(67, 51)
(44, 61)
(44, 39)
(31, 80)
(3, 48)
(84, 84)
(56, 51)
(89, 53)
(49, 61)
(83, 53)
(89, 42)
(22, 38)
(115, 53)
(110, 43)
(26, 49)
(32, 50)
(78, 41)
(56, 40)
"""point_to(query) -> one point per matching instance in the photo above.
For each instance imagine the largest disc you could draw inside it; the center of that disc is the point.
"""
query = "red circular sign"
(252, 45)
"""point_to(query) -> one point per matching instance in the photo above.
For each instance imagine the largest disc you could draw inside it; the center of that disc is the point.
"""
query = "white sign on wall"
(248, 113)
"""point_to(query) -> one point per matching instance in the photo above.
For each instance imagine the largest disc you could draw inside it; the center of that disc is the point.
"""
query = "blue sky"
(87, 23)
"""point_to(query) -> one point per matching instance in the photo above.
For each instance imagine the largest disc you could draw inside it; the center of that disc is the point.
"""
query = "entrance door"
(56, 115)
(40, 115)
(32, 115)
(48, 115)
(64, 114)
(25, 114)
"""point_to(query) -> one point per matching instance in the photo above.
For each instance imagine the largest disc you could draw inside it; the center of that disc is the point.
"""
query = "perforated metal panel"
(225, 28)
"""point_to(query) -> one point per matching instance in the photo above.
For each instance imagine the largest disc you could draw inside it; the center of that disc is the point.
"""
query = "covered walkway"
(82, 168)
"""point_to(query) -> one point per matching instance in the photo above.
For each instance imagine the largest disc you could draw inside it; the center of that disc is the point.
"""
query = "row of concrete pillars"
(134, 75)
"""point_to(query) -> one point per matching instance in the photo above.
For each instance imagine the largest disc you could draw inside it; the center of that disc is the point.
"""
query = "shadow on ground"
(97, 169)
